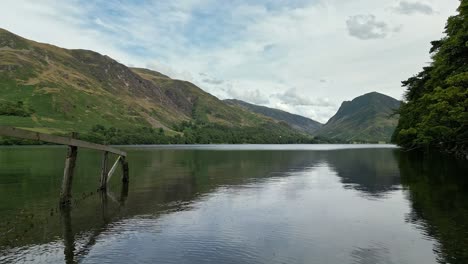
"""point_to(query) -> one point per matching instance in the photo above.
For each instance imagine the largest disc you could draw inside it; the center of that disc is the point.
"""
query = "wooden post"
(104, 171)
(124, 164)
(123, 194)
(65, 193)
(104, 207)
(68, 236)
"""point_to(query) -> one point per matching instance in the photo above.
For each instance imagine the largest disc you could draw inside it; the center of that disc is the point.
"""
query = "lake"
(237, 204)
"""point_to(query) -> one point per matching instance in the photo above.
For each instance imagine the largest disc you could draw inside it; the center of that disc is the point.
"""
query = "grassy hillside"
(51, 89)
(368, 118)
(297, 122)
(66, 90)
(199, 105)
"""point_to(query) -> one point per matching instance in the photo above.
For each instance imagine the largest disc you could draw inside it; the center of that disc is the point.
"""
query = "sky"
(301, 56)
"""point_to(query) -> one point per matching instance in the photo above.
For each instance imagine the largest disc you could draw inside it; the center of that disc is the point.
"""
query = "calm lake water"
(237, 204)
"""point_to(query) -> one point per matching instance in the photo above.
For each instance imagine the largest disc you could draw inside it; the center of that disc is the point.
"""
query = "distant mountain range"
(50, 89)
(367, 118)
(297, 122)
(370, 117)
(55, 90)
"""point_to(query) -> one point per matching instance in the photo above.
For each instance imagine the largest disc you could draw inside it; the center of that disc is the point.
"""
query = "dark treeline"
(191, 133)
(14, 109)
(435, 114)
(187, 133)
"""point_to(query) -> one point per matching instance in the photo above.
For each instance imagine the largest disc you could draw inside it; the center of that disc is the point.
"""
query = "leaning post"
(70, 162)
(104, 171)
(124, 163)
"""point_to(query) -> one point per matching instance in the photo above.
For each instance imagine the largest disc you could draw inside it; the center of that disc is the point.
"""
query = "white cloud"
(213, 81)
(412, 7)
(367, 27)
(252, 96)
(296, 98)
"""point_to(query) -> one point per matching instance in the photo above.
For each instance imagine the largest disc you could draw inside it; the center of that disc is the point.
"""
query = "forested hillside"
(435, 112)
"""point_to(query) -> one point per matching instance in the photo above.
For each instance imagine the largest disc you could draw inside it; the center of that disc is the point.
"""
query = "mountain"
(297, 122)
(51, 89)
(368, 118)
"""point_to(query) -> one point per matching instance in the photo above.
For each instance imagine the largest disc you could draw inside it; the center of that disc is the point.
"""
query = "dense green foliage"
(213, 133)
(297, 122)
(435, 114)
(14, 109)
(366, 119)
(190, 133)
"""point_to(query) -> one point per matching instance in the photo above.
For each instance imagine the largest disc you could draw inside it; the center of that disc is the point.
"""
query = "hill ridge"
(369, 117)
(296, 121)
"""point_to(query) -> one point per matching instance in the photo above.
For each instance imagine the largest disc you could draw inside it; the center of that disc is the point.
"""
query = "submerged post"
(124, 164)
(65, 193)
(104, 171)
(68, 236)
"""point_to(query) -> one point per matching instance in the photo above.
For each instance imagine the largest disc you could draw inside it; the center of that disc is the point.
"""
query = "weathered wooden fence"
(70, 161)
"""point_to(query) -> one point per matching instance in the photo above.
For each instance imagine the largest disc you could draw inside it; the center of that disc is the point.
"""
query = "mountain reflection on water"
(261, 205)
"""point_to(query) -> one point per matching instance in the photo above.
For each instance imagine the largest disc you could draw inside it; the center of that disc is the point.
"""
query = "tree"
(435, 111)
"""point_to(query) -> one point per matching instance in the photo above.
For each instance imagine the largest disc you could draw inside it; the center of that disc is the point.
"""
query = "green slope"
(199, 105)
(68, 90)
(297, 122)
(367, 118)
(51, 89)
